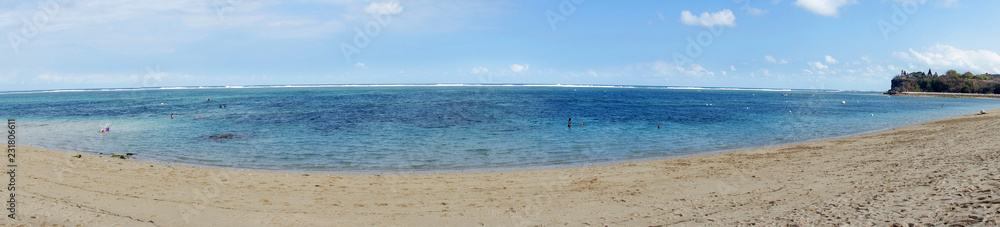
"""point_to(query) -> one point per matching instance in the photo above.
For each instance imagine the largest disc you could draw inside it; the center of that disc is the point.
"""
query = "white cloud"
(670, 69)
(817, 65)
(771, 59)
(129, 32)
(101, 78)
(830, 60)
(733, 67)
(724, 18)
(661, 17)
(178, 17)
(724, 73)
(948, 57)
(824, 7)
(154, 24)
(359, 65)
(519, 68)
(866, 59)
(85, 13)
(755, 11)
(664, 68)
(384, 8)
(56, 78)
(480, 69)
(697, 70)
(157, 26)
(877, 70)
(8, 77)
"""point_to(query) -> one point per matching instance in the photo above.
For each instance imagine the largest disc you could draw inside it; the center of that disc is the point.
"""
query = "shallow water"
(445, 128)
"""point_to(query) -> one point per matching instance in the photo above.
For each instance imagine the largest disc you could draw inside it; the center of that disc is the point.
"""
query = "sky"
(799, 44)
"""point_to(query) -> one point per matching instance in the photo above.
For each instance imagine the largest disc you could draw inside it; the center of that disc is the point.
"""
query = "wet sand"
(939, 173)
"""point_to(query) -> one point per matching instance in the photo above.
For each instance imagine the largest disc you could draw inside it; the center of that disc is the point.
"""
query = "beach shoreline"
(948, 95)
(942, 172)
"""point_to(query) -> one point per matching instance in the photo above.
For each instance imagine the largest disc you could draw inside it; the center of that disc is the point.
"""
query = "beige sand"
(944, 172)
(949, 95)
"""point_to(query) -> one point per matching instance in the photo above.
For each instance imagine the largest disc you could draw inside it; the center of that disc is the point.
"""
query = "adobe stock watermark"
(696, 46)
(566, 8)
(901, 12)
(382, 16)
(33, 24)
(153, 77)
(205, 196)
(223, 7)
(11, 168)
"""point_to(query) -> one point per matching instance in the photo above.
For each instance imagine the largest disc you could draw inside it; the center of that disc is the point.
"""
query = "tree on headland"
(951, 73)
(951, 82)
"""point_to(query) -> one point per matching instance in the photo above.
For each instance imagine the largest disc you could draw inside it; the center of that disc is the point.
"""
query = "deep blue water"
(445, 128)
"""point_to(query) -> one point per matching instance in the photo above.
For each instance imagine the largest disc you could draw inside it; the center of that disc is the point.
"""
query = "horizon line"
(674, 87)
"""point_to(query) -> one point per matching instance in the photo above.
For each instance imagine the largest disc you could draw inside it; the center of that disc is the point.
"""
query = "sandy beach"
(939, 173)
(949, 95)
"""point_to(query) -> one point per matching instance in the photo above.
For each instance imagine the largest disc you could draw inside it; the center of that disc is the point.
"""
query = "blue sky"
(826, 44)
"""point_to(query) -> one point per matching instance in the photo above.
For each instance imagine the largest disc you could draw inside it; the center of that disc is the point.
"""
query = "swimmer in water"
(657, 127)
(570, 123)
(171, 116)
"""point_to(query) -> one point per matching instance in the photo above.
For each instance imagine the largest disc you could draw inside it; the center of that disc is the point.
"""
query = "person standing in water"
(570, 124)
(171, 116)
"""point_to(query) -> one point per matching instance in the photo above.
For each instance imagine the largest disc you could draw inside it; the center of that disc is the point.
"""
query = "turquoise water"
(447, 128)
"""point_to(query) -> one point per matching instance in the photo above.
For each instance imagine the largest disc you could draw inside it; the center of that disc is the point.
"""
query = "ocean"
(455, 127)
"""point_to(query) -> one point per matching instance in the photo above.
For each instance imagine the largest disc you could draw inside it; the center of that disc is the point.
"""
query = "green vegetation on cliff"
(949, 82)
